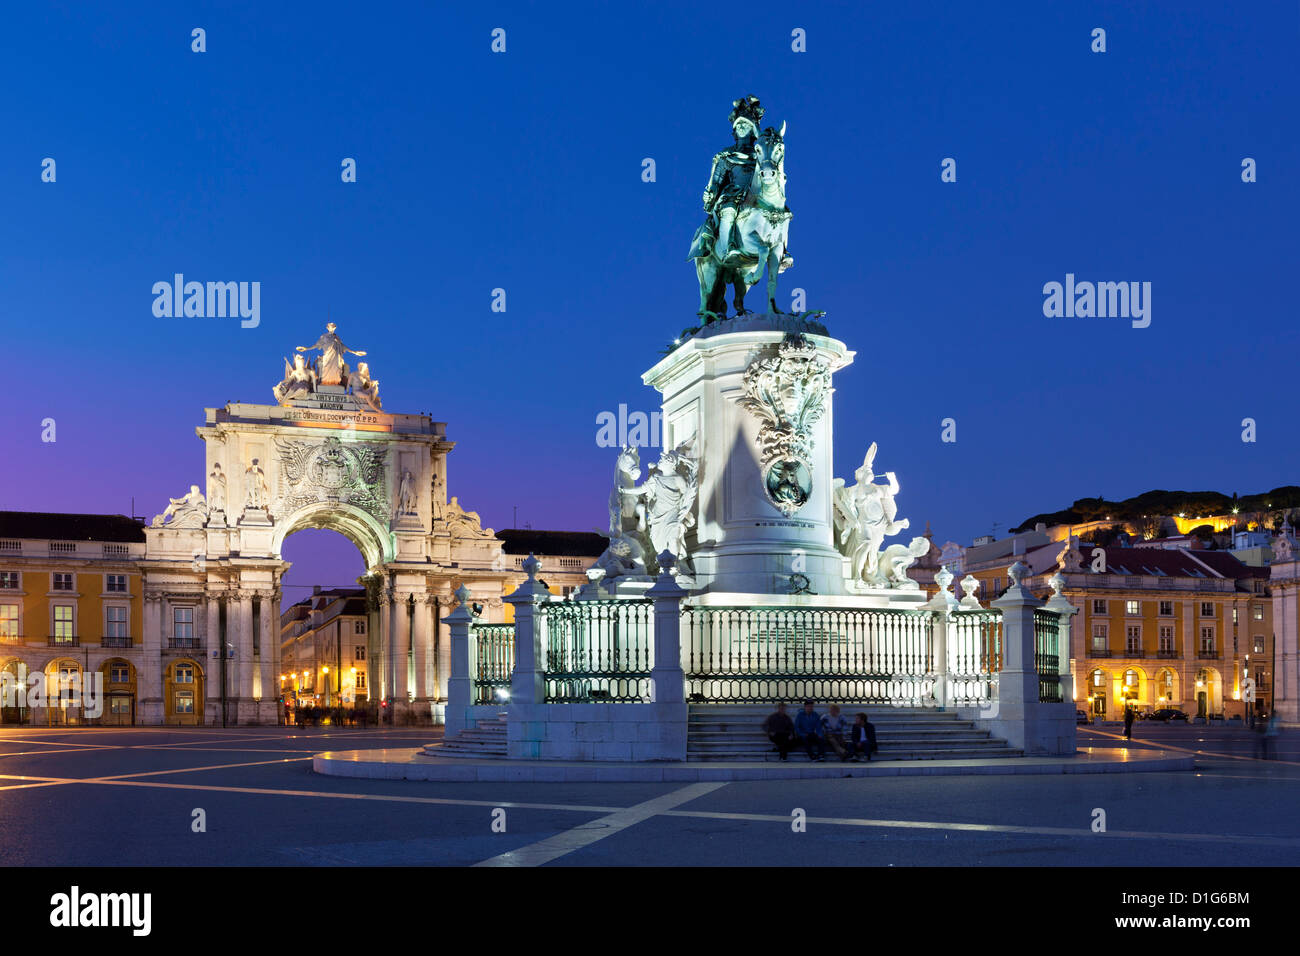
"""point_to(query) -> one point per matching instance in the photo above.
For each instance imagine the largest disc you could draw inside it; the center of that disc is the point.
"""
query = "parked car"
(1169, 713)
(1081, 717)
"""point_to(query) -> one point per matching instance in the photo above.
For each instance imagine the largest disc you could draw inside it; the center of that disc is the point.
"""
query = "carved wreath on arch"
(315, 472)
(787, 392)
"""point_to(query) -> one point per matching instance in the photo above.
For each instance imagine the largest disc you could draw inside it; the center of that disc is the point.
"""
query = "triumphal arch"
(325, 455)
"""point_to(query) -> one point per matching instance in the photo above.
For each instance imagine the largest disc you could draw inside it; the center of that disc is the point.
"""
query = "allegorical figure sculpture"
(748, 221)
(365, 388)
(188, 511)
(865, 514)
(331, 368)
(625, 554)
(255, 484)
(299, 379)
(669, 494)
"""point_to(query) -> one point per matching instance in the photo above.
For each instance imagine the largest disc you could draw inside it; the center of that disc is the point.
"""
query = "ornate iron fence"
(494, 660)
(851, 655)
(599, 651)
(974, 656)
(1047, 659)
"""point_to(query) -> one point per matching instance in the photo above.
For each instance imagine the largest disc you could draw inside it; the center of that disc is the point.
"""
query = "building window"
(183, 623)
(1257, 612)
(119, 674)
(360, 627)
(115, 622)
(9, 580)
(62, 582)
(185, 702)
(119, 704)
(1167, 638)
(1207, 609)
(1132, 608)
(1234, 616)
(1165, 684)
(1098, 679)
(115, 583)
(361, 681)
(1166, 608)
(359, 652)
(1130, 683)
(185, 673)
(1207, 639)
(1259, 646)
(8, 622)
(63, 622)
(1133, 637)
(1099, 637)
(1098, 607)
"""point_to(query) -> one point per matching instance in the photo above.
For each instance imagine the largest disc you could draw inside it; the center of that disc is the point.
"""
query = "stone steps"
(719, 732)
(487, 740)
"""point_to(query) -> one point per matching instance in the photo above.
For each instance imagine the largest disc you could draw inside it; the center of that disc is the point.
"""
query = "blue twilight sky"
(522, 171)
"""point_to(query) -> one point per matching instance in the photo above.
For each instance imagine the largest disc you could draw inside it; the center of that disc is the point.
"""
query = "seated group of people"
(815, 733)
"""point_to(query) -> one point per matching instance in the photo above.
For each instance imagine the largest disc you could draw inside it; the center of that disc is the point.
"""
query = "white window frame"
(18, 581)
(1163, 612)
(126, 619)
(1133, 637)
(54, 582)
(54, 619)
(1165, 636)
(1099, 606)
(1132, 608)
(18, 620)
(126, 583)
(1204, 605)
(1212, 643)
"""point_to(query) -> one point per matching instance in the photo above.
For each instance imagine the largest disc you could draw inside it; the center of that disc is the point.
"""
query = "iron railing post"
(460, 685)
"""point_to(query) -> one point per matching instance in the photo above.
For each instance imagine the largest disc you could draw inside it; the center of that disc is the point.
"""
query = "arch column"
(214, 642)
(269, 710)
(243, 670)
(149, 686)
(422, 644)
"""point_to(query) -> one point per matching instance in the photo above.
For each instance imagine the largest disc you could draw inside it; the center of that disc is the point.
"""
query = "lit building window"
(8, 621)
(1132, 607)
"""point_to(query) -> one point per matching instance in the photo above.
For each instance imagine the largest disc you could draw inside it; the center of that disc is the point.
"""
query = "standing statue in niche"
(748, 222)
(217, 488)
(256, 488)
(406, 503)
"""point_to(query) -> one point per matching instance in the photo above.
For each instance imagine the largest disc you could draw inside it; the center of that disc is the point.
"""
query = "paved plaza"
(95, 797)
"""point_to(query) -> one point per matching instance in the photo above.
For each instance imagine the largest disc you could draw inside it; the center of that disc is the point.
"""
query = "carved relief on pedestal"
(331, 472)
(787, 392)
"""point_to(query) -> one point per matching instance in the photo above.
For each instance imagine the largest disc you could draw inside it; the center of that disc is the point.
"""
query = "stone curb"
(413, 764)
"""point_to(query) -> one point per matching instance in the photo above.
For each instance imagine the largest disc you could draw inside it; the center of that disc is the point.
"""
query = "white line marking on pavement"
(544, 851)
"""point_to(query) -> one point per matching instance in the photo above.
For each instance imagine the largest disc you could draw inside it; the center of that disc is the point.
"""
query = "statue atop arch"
(329, 371)
(331, 368)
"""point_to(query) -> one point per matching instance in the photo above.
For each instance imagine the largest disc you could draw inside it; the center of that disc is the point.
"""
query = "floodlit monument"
(325, 455)
(742, 570)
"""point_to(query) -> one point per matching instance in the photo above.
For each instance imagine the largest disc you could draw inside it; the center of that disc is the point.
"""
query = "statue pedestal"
(743, 542)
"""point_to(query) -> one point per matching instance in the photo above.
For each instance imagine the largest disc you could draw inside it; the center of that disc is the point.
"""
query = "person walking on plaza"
(836, 728)
(780, 730)
(808, 728)
(1271, 730)
(1129, 714)
(862, 737)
